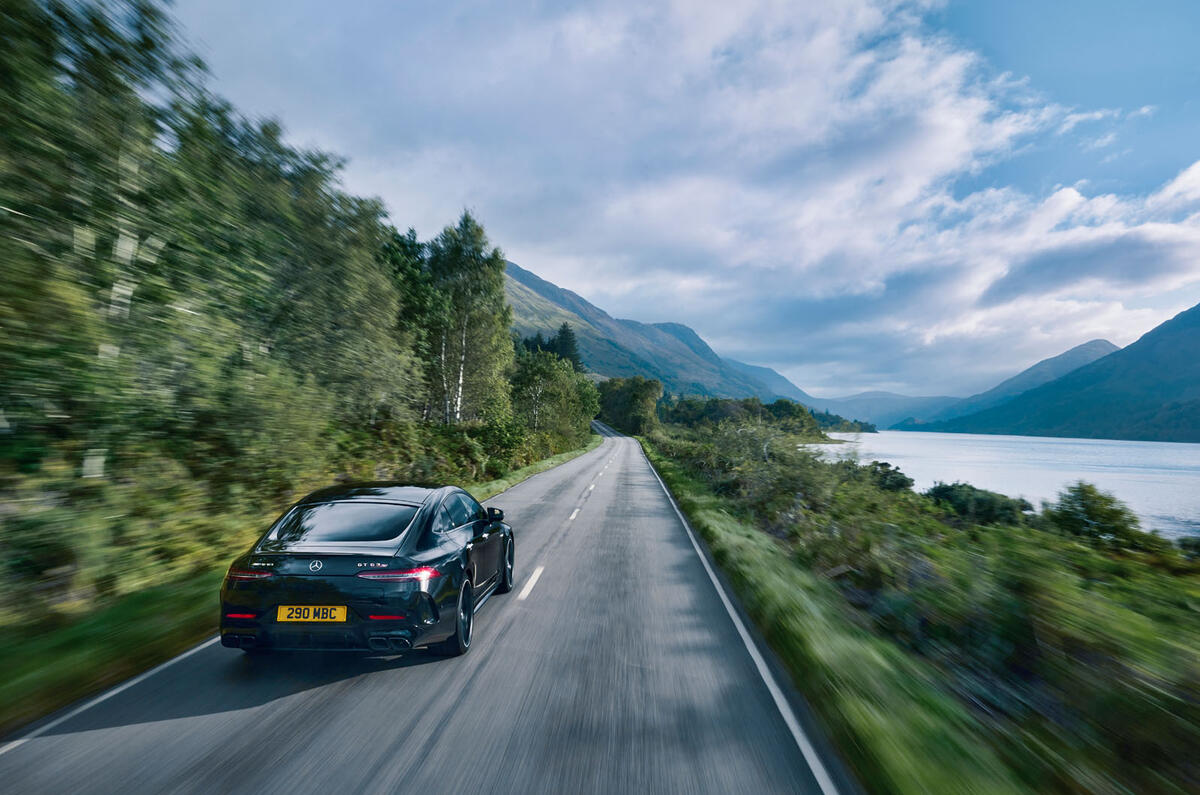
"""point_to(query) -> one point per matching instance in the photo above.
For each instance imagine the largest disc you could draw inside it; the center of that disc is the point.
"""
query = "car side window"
(475, 509)
(460, 514)
(442, 521)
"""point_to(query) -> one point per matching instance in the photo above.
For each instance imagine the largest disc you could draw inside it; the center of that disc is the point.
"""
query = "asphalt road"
(613, 666)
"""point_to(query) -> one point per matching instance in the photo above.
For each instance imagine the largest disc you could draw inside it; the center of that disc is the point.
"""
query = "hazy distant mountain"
(773, 381)
(1149, 390)
(883, 408)
(1043, 372)
(670, 352)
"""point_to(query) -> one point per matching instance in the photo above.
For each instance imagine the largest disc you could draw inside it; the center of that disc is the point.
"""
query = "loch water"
(1159, 481)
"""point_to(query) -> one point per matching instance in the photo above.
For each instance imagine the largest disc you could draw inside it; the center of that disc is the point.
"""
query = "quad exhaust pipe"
(386, 643)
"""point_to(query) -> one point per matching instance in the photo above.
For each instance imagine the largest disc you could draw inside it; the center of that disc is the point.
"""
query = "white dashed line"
(574, 513)
(521, 597)
(591, 487)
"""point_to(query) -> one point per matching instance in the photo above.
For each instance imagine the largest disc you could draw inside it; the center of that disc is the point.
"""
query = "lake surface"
(1159, 481)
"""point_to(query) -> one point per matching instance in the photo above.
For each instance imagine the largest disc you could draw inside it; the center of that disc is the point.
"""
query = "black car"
(377, 567)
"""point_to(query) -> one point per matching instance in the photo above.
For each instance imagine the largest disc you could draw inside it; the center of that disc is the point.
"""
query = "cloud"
(787, 178)
(1117, 258)
(1074, 119)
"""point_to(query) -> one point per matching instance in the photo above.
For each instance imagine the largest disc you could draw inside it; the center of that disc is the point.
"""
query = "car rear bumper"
(376, 637)
(369, 627)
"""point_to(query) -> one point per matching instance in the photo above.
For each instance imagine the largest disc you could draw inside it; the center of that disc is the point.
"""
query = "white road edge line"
(574, 513)
(533, 578)
(105, 697)
(785, 709)
(591, 487)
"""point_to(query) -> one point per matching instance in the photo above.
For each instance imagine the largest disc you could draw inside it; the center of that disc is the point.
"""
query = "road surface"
(613, 666)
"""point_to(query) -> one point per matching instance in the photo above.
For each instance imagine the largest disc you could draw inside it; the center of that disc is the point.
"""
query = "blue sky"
(911, 195)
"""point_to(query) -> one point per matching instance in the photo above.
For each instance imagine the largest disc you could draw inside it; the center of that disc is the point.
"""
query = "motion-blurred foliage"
(1069, 640)
(197, 323)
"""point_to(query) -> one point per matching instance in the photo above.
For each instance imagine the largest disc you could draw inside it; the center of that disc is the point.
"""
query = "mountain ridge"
(671, 352)
(1031, 377)
(1146, 391)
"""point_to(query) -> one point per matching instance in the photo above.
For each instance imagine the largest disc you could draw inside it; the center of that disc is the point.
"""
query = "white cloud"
(784, 177)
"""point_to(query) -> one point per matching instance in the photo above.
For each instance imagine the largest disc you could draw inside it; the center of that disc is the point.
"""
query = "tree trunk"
(462, 366)
(445, 384)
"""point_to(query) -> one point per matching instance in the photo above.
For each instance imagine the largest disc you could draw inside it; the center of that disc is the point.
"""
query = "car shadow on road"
(218, 680)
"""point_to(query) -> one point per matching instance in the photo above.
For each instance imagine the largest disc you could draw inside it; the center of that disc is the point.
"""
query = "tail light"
(248, 574)
(239, 615)
(421, 573)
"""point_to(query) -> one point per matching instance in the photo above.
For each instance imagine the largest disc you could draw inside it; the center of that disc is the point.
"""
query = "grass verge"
(899, 731)
(47, 670)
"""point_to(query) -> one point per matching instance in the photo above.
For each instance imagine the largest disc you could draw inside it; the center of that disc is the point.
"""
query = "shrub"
(979, 505)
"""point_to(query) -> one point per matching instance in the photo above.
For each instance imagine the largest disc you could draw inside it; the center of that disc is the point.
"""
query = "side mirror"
(495, 515)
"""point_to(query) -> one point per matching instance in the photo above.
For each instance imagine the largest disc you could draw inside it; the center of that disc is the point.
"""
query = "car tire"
(506, 568)
(459, 643)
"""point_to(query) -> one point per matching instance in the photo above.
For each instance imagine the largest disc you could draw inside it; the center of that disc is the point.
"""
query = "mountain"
(1043, 372)
(1147, 391)
(773, 381)
(883, 408)
(670, 352)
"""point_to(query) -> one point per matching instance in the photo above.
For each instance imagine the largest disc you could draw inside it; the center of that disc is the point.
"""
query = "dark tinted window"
(441, 520)
(474, 508)
(343, 521)
(460, 511)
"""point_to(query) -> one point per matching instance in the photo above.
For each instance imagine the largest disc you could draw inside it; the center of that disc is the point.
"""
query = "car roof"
(380, 491)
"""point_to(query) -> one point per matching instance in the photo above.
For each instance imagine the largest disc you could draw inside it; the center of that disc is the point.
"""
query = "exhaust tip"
(377, 644)
(401, 644)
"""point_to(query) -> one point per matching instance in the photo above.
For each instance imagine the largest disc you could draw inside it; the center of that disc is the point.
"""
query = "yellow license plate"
(310, 613)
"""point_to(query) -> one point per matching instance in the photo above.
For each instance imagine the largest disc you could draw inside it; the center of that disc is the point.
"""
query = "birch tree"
(472, 351)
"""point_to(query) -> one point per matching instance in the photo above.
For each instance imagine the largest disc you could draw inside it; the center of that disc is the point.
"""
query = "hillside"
(884, 408)
(670, 352)
(1043, 372)
(773, 381)
(1149, 391)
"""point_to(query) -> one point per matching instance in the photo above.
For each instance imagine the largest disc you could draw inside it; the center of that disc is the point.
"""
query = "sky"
(922, 197)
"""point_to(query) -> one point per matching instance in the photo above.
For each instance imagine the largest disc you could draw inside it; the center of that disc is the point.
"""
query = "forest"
(198, 324)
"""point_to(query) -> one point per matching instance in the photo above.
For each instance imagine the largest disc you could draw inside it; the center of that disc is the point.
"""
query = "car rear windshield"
(343, 521)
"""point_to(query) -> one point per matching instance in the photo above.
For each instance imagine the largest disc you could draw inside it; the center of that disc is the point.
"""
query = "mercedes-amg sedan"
(377, 567)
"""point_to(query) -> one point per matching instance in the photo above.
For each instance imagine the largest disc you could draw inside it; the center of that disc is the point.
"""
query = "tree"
(471, 351)
(630, 404)
(1085, 511)
(551, 398)
(566, 346)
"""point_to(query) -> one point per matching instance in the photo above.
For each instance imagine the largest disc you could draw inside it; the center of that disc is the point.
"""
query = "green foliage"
(470, 349)
(562, 343)
(787, 415)
(629, 404)
(888, 477)
(554, 401)
(1077, 665)
(979, 505)
(198, 324)
(828, 421)
(1085, 511)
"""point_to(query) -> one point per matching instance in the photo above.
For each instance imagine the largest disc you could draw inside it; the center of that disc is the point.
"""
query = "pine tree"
(566, 346)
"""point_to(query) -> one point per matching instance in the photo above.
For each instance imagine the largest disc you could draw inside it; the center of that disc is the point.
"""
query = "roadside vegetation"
(199, 325)
(954, 641)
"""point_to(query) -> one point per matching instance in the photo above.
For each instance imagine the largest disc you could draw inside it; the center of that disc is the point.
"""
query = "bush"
(979, 505)
(888, 477)
(1085, 511)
